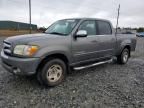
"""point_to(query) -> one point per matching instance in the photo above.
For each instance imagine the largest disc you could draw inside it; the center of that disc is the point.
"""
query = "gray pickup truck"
(67, 44)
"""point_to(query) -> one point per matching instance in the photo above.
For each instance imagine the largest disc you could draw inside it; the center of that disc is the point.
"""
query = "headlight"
(25, 50)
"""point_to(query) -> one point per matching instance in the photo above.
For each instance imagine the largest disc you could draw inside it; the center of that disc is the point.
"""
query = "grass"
(15, 32)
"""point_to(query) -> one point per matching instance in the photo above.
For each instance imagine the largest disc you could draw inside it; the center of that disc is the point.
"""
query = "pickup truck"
(67, 44)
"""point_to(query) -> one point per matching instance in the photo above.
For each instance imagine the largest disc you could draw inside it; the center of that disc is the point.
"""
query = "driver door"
(85, 48)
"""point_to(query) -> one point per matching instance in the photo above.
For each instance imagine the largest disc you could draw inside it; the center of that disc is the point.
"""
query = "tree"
(141, 29)
(42, 29)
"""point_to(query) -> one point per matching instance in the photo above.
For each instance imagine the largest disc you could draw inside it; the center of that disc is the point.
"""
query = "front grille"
(7, 48)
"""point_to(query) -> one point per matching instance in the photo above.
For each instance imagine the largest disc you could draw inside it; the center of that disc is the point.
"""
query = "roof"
(86, 18)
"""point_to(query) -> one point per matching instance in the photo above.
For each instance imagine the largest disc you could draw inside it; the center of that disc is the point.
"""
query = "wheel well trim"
(126, 46)
(57, 55)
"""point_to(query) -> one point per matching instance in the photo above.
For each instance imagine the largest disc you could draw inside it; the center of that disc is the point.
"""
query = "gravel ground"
(104, 86)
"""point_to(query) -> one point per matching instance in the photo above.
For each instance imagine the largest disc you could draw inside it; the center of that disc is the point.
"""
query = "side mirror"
(81, 33)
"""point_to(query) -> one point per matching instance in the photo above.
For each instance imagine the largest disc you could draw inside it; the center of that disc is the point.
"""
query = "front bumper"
(19, 66)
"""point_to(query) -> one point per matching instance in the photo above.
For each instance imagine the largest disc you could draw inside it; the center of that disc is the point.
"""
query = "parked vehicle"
(140, 34)
(67, 44)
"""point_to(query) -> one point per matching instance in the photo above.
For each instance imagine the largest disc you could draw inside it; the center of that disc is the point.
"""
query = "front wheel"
(124, 56)
(53, 72)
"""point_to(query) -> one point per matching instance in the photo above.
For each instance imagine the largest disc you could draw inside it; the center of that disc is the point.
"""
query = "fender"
(125, 43)
(47, 51)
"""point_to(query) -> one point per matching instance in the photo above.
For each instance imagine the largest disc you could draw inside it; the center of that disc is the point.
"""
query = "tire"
(39, 78)
(53, 72)
(124, 56)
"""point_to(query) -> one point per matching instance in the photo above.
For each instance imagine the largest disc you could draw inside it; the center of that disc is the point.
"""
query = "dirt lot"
(14, 32)
(105, 86)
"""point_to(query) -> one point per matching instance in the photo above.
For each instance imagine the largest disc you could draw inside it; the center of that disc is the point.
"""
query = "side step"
(95, 64)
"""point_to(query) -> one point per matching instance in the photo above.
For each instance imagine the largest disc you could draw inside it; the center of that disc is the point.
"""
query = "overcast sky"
(45, 12)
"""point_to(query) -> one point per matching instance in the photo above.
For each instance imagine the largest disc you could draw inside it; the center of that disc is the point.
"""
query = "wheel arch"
(48, 57)
(129, 48)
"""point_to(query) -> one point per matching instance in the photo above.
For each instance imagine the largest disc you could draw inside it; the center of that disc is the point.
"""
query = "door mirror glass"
(81, 33)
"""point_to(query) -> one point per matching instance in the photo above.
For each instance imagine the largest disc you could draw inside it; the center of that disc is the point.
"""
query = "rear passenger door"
(107, 40)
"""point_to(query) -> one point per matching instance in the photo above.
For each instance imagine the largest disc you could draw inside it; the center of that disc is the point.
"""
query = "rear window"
(104, 28)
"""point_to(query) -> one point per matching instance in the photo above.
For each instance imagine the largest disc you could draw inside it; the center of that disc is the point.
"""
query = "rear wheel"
(53, 72)
(124, 56)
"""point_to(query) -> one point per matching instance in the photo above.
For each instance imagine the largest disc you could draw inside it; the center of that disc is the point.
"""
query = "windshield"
(62, 27)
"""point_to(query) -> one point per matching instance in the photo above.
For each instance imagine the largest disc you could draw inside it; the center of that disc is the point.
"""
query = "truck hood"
(30, 38)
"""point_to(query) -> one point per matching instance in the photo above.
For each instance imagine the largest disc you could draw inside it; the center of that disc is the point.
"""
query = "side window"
(89, 26)
(104, 28)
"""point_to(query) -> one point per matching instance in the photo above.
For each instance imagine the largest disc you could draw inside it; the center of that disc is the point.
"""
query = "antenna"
(117, 19)
(30, 16)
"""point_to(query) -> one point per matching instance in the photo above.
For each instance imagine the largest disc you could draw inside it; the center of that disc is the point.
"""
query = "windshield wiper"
(57, 33)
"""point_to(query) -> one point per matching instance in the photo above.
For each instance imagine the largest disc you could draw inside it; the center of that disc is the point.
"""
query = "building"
(12, 25)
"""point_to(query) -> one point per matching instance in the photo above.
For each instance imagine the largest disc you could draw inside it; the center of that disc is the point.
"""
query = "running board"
(95, 64)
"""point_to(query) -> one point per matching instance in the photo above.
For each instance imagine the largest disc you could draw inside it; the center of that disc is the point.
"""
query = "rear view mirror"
(81, 33)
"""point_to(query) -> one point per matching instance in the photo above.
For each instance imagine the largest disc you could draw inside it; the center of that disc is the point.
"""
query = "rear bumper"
(19, 66)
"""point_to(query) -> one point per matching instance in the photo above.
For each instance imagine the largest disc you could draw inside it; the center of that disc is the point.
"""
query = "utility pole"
(30, 17)
(117, 19)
